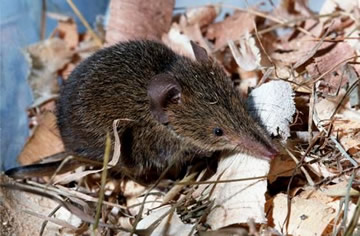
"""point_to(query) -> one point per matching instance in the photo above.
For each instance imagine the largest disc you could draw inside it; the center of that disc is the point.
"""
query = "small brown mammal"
(172, 109)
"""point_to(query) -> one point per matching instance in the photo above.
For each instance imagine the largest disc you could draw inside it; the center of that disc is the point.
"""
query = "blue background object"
(19, 27)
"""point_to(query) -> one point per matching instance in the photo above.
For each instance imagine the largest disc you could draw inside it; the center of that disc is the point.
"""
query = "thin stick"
(332, 68)
(311, 112)
(43, 20)
(103, 181)
(307, 175)
(354, 220)
(85, 23)
(266, 16)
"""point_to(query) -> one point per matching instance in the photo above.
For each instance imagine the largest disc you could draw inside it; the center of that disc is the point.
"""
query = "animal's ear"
(163, 90)
(199, 52)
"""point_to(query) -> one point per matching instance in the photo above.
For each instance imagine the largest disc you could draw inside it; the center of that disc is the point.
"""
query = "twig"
(103, 180)
(43, 20)
(60, 222)
(354, 220)
(43, 226)
(311, 112)
(347, 199)
(307, 175)
(61, 166)
(224, 181)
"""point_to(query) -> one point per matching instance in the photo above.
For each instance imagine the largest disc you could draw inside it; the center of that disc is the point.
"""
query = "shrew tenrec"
(172, 109)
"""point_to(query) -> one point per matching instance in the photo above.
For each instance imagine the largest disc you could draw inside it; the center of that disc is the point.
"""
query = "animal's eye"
(218, 132)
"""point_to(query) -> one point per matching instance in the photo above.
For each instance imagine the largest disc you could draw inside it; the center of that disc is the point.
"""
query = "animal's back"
(109, 85)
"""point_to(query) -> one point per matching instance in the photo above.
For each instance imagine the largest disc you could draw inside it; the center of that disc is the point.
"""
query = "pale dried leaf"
(330, 6)
(327, 62)
(46, 58)
(169, 225)
(308, 216)
(237, 202)
(247, 56)
(178, 41)
(346, 125)
(339, 190)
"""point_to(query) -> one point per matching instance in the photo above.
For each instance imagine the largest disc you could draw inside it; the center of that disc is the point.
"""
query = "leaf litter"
(300, 72)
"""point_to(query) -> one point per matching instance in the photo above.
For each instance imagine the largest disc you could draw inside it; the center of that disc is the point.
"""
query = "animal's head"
(199, 103)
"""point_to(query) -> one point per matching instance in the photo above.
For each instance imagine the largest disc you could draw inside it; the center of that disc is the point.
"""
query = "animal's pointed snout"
(260, 148)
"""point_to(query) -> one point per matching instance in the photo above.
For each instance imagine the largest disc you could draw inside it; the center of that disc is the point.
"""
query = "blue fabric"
(19, 27)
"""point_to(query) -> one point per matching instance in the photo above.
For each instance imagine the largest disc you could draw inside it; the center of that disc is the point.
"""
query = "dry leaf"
(178, 42)
(329, 6)
(308, 216)
(346, 125)
(327, 62)
(136, 19)
(68, 32)
(232, 28)
(290, 52)
(46, 58)
(44, 142)
(202, 16)
(236, 202)
(312, 213)
(247, 56)
(339, 190)
(169, 225)
(25, 209)
(281, 166)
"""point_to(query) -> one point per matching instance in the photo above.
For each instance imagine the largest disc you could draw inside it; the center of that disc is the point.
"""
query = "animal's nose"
(270, 153)
(261, 149)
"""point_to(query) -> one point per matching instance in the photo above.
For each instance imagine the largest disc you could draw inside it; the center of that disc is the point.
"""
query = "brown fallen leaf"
(232, 28)
(292, 9)
(177, 41)
(202, 16)
(67, 31)
(136, 19)
(44, 142)
(290, 52)
(332, 60)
